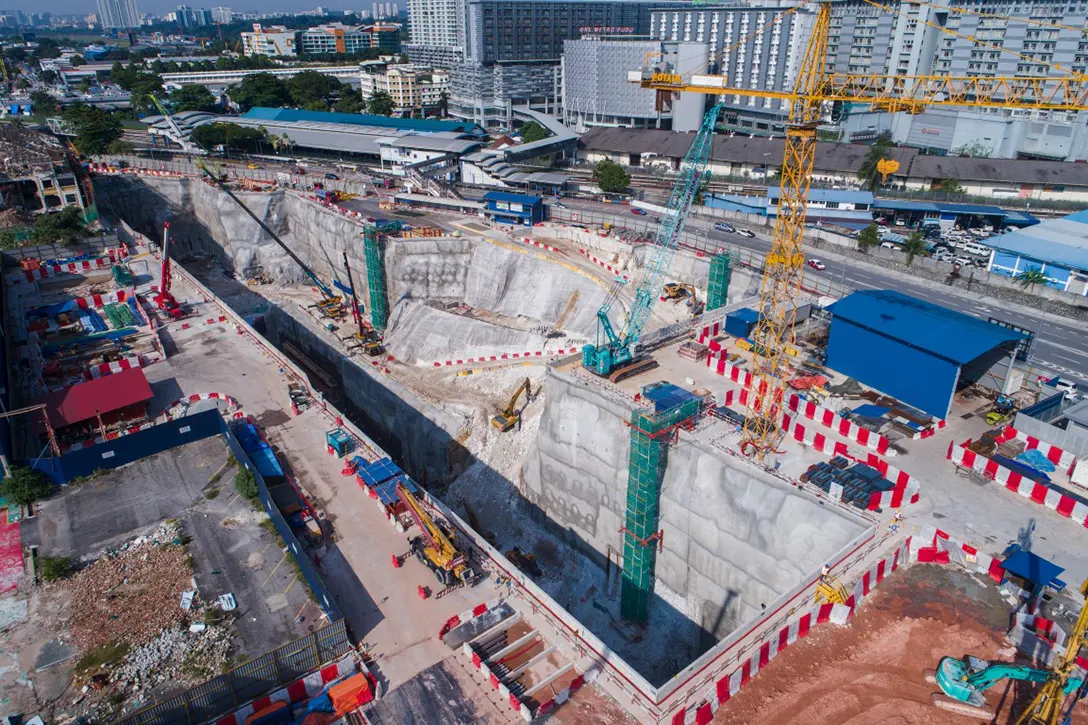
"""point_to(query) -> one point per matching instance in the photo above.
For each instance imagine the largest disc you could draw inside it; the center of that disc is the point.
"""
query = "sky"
(160, 7)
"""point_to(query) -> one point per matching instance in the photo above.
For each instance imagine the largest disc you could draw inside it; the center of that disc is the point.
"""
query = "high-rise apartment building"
(436, 22)
(754, 47)
(980, 41)
(222, 15)
(271, 40)
(118, 13)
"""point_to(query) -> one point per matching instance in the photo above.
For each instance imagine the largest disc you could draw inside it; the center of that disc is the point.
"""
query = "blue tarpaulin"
(1032, 567)
(376, 472)
(1022, 469)
(1036, 460)
(870, 411)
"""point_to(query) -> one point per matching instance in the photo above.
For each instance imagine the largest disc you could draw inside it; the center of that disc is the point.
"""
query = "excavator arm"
(509, 416)
(432, 532)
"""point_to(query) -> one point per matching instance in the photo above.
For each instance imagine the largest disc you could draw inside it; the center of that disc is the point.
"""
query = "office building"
(222, 16)
(768, 60)
(272, 40)
(512, 50)
(865, 40)
(118, 14)
(412, 89)
(337, 38)
(596, 91)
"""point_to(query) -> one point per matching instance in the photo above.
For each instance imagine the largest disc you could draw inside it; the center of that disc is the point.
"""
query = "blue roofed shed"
(1034, 569)
(1058, 248)
(914, 350)
(514, 208)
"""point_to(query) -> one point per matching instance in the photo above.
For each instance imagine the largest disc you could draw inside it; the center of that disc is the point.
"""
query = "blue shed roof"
(943, 332)
(1058, 241)
(514, 198)
(858, 197)
(971, 209)
(1032, 567)
(360, 119)
(900, 205)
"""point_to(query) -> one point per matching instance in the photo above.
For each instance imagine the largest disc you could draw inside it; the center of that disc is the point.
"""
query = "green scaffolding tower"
(717, 293)
(651, 434)
(375, 278)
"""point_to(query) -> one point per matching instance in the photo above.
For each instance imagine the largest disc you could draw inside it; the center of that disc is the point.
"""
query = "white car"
(746, 233)
(889, 245)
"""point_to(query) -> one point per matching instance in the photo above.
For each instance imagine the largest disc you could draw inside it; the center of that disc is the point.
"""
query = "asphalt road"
(1060, 348)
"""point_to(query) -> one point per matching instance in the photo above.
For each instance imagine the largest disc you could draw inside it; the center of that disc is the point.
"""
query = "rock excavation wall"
(735, 538)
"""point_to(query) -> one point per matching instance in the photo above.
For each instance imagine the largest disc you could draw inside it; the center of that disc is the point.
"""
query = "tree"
(77, 60)
(532, 131)
(260, 89)
(24, 486)
(951, 186)
(610, 176)
(868, 238)
(231, 135)
(700, 193)
(9, 239)
(443, 104)
(1031, 277)
(975, 150)
(95, 128)
(42, 102)
(868, 174)
(192, 98)
(85, 85)
(65, 226)
(47, 48)
(49, 77)
(381, 104)
(310, 87)
(120, 147)
(915, 246)
(22, 84)
(350, 103)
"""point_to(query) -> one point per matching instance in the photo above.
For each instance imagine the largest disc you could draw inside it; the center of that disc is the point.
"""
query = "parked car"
(976, 249)
(889, 245)
(817, 265)
(332, 176)
(746, 233)
(963, 261)
(1068, 387)
(942, 255)
(636, 210)
(723, 227)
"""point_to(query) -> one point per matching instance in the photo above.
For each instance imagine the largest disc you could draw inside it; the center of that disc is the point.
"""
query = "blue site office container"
(740, 323)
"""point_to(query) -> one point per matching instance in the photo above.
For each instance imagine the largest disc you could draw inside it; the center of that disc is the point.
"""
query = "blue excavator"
(966, 680)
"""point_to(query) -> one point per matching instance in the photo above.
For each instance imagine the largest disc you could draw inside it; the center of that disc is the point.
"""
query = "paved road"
(1061, 348)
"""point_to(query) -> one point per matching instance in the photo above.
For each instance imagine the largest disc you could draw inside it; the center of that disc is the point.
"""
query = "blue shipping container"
(740, 323)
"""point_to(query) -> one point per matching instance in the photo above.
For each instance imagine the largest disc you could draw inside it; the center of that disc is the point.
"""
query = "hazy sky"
(160, 7)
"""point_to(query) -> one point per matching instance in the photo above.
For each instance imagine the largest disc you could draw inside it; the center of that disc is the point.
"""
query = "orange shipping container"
(350, 694)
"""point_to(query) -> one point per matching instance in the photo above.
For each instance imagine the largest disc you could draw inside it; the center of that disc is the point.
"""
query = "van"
(976, 248)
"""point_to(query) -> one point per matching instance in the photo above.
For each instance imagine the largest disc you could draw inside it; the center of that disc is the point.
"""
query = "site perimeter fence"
(697, 241)
(248, 681)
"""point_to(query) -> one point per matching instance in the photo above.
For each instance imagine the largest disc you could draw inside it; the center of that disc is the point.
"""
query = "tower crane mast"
(814, 87)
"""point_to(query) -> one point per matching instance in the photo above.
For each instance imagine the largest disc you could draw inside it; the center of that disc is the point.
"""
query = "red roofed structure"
(114, 398)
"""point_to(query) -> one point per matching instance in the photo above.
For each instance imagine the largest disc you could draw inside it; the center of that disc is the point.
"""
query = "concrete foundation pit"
(551, 495)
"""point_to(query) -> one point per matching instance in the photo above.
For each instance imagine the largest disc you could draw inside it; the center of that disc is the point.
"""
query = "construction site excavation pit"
(732, 544)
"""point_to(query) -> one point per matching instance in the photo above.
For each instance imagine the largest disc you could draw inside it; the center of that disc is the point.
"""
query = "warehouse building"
(1058, 248)
(915, 351)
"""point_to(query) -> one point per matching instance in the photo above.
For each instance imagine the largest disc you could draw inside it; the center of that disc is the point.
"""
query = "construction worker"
(825, 570)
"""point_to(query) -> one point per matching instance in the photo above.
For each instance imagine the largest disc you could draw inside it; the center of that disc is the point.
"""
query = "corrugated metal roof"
(902, 205)
(858, 197)
(515, 198)
(981, 209)
(431, 143)
(1012, 171)
(938, 330)
(1060, 241)
(361, 119)
(97, 397)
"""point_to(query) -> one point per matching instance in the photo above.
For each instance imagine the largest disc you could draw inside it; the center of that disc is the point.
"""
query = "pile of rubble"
(131, 594)
(177, 655)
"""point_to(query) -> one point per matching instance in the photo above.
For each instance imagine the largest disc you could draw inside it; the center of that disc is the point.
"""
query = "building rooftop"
(943, 332)
(86, 400)
(824, 195)
(24, 151)
(362, 119)
(512, 198)
(435, 142)
(1063, 241)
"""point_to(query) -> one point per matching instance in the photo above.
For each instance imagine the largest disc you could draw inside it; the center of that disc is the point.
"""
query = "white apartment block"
(410, 88)
(437, 23)
(274, 40)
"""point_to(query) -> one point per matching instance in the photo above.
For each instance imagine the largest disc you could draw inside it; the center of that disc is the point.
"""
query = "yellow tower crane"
(815, 87)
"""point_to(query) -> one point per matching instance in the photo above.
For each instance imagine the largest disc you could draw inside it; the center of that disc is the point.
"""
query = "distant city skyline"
(161, 7)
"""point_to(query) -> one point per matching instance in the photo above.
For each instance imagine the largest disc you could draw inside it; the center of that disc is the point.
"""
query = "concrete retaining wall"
(1074, 441)
(734, 538)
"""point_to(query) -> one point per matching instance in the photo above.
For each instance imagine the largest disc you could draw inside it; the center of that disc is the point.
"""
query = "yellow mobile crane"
(814, 87)
(509, 416)
(434, 547)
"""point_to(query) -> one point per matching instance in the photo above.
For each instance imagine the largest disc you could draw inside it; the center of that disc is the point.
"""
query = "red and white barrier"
(520, 356)
(702, 712)
(190, 325)
(116, 366)
(182, 404)
(846, 428)
(541, 245)
(1039, 493)
(602, 263)
(709, 331)
(468, 615)
(78, 267)
(907, 488)
(933, 546)
(1062, 459)
(309, 686)
(931, 431)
